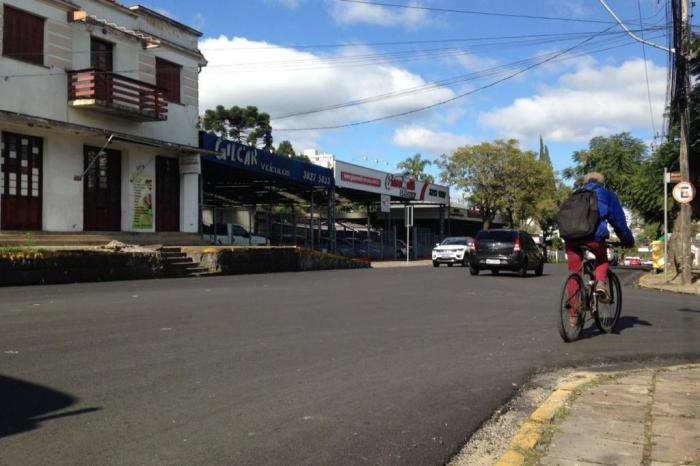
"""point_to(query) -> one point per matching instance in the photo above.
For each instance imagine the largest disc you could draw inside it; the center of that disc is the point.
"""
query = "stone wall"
(241, 260)
(48, 267)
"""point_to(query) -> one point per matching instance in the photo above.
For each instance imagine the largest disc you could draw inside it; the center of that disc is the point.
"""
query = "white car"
(236, 235)
(453, 250)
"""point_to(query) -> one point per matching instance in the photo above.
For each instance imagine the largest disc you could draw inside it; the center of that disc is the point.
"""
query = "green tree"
(498, 177)
(237, 123)
(414, 167)
(618, 157)
(285, 148)
(544, 153)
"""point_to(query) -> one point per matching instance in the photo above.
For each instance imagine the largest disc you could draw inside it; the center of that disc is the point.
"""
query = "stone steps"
(179, 265)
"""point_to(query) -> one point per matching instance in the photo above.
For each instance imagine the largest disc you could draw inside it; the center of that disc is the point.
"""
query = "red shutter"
(168, 77)
(23, 36)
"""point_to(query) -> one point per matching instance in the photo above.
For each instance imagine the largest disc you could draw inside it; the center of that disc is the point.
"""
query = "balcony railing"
(113, 93)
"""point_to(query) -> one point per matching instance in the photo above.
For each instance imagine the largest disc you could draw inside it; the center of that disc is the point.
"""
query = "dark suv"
(512, 250)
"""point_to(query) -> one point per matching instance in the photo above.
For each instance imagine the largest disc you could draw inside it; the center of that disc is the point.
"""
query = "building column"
(189, 209)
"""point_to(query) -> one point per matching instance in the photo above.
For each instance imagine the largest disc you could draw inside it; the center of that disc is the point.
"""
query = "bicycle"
(579, 301)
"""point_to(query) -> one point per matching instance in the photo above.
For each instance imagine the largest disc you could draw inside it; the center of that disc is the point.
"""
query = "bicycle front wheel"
(609, 313)
(570, 307)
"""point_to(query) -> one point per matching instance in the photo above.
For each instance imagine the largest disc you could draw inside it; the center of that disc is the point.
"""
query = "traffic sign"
(684, 192)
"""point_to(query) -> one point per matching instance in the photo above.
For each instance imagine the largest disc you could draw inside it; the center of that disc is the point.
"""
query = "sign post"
(409, 224)
(667, 180)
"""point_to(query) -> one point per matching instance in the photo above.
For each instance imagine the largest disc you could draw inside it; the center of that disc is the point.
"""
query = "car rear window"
(459, 241)
(497, 235)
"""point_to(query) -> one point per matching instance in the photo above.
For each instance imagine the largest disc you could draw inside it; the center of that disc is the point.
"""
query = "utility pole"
(682, 46)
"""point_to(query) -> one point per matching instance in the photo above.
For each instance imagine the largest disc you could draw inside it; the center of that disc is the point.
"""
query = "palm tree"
(414, 167)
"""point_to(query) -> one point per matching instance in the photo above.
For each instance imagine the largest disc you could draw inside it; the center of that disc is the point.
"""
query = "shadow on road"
(24, 405)
(624, 323)
(688, 310)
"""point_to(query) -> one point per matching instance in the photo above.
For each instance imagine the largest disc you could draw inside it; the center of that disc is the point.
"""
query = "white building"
(75, 74)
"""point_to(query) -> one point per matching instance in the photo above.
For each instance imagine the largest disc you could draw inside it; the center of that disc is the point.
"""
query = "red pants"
(574, 256)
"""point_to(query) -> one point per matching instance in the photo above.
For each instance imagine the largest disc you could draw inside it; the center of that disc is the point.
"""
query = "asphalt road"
(390, 366)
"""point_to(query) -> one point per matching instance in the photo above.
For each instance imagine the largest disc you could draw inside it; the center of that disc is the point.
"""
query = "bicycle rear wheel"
(570, 307)
(609, 313)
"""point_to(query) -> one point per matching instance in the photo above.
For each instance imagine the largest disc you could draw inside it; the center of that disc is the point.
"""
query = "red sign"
(360, 179)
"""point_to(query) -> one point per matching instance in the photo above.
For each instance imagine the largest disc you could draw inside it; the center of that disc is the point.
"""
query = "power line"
(452, 99)
(474, 12)
(494, 71)
(646, 74)
(630, 33)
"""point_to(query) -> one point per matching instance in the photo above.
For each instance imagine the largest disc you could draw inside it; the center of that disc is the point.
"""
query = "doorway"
(21, 182)
(167, 194)
(102, 190)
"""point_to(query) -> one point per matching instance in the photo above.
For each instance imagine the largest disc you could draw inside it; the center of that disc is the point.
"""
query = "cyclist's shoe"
(603, 292)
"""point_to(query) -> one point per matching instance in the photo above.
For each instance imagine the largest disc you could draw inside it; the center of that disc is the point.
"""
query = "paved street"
(384, 366)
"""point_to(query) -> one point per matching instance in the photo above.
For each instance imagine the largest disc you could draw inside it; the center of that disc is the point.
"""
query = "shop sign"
(369, 180)
(385, 203)
(251, 159)
(143, 202)
(190, 164)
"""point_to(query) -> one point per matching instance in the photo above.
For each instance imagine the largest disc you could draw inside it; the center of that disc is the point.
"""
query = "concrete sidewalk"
(401, 263)
(641, 417)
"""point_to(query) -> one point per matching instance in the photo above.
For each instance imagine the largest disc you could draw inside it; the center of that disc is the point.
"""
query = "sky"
(375, 84)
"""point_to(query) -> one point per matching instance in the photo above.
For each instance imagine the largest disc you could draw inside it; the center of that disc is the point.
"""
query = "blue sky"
(291, 56)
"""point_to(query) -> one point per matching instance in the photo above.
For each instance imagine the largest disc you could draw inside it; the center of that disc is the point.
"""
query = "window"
(22, 36)
(168, 78)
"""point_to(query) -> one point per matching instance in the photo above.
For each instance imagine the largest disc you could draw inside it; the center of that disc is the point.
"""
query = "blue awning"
(251, 159)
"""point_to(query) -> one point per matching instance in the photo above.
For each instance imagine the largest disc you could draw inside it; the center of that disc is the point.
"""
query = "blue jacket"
(610, 211)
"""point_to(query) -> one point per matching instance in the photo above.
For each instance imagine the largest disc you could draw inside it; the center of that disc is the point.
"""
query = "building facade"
(98, 114)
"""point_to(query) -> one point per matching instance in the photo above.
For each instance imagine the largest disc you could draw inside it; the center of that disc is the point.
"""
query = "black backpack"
(578, 216)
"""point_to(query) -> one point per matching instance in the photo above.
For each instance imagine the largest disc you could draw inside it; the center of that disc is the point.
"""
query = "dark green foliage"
(236, 122)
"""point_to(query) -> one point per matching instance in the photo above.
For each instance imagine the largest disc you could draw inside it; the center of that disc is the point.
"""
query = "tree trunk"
(487, 222)
(675, 247)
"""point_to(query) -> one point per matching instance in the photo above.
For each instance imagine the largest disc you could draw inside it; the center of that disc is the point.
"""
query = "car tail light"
(517, 247)
(473, 245)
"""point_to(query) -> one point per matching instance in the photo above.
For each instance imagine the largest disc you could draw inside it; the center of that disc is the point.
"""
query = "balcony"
(118, 95)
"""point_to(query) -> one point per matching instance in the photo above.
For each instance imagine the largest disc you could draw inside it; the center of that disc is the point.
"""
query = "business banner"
(143, 202)
(251, 159)
(369, 180)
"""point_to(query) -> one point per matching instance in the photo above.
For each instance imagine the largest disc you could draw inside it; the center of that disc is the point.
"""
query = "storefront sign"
(190, 164)
(251, 159)
(375, 181)
(143, 202)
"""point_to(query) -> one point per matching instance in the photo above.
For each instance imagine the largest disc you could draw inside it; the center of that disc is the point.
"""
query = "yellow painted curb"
(531, 431)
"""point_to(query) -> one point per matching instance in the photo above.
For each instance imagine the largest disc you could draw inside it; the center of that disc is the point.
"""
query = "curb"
(666, 288)
(530, 433)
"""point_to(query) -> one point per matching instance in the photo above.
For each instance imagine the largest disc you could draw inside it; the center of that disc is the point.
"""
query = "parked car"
(401, 249)
(234, 235)
(612, 256)
(632, 261)
(452, 250)
(501, 249)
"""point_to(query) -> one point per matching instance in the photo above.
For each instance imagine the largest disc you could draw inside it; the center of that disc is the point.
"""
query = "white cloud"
(432, 142)
(586, 103)
(281, 81)
(352, 13)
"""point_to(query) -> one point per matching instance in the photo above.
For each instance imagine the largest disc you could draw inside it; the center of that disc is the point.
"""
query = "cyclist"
(611, 211)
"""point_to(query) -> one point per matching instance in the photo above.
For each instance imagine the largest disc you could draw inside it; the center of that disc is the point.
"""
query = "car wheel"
(435, 264)
(522, 272)
(540, 269)
(465, 262)
(473, 270)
